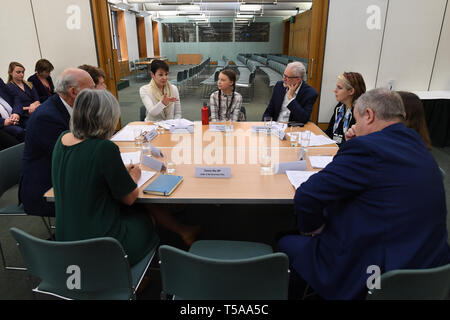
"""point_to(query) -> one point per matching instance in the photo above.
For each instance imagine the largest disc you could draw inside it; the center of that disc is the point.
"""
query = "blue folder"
(163, 185)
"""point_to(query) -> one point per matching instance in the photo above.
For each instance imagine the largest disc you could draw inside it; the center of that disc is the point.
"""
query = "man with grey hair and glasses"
(292, 99)
(379, 205)
(43, 129)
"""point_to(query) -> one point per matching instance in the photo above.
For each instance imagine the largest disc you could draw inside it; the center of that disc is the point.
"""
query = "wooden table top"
(239, 151)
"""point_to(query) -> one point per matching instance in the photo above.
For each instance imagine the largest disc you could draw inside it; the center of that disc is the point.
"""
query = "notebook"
(163, 185)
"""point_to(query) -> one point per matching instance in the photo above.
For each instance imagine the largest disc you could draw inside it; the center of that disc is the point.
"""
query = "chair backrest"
(11, 166)
(179, 76)
(190, 276)
(185, 74)
(216, 76)
(103, 266)
(142, 113)
(422, 284)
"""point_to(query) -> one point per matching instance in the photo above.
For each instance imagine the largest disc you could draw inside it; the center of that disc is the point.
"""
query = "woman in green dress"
(93, 188)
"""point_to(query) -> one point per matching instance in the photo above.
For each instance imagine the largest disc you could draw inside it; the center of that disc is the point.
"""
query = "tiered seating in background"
(189, 75)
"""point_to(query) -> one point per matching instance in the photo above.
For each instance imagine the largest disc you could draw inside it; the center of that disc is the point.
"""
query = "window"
(179, 32)
(256, 32)
(216, 32)
(116, 39)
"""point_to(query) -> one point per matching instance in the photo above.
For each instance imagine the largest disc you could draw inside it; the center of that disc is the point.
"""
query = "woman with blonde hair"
(23, 92)
(349, 86)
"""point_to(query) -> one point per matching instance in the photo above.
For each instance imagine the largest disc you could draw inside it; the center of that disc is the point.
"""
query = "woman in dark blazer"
(42, 80)
(25, 95)
(349, 87)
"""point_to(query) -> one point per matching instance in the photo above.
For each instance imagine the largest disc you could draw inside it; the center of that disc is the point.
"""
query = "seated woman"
(25, 95)
(160, 98)
(93, 188)
(42, 80)
(415, 116)
(97, 74)
(225, 103)
(9, 118)
(349, 87)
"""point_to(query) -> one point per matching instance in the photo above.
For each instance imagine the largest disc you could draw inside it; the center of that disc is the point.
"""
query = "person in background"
(160, 98)
(379, 203)
(45, 125)
(25, 95)
(226, 103)
(292, 99)
(349, 87)
(415, 116)
(12, 133)
(97, 74)
(42, 80)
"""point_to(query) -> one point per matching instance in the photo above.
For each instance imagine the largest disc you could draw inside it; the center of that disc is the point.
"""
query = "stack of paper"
(145, 176)
(320, 162)
(178, 123)
(320, 140)
(127, 133)
(298, 177)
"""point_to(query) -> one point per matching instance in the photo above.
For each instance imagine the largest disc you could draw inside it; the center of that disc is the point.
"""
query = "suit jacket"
(44, 127)
(382, 201)
(301, 107)
(42, 90)
(5, 94)
(22, 98)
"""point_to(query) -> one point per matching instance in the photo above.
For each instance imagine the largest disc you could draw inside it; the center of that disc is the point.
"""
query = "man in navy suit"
(43, 129)
(379, 205)
(9, 125)
(292, 99)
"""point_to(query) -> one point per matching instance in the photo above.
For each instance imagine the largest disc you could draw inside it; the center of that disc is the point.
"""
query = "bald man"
(43, 129)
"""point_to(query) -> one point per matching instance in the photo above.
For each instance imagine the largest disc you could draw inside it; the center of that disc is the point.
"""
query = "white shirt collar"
(68, 107)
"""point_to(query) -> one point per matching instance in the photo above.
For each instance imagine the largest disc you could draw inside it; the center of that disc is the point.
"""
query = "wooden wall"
(124, 67)
(142, 41)
(300, 34)
(189, 58)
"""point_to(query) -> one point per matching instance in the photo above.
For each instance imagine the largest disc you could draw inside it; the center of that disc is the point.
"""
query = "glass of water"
(305, 138)
(170, 167)
(228, 126)
(293, 137)
(138, 137)
(265, 160)
(268, 123)
(160, 130)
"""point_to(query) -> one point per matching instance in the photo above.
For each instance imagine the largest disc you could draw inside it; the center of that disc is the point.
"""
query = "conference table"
(239, 150)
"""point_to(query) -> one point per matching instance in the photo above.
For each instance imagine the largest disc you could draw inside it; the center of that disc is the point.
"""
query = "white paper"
(131, 157)
(178, 123)
(145, 176)
(296, 178)
(320, 162)
(431, 95)
(279, 126)
(127, 132)
(320, 140)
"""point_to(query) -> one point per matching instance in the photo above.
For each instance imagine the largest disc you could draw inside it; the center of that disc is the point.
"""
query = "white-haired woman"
(93, 188)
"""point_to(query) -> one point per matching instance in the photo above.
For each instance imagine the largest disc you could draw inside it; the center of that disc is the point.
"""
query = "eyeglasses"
(287, 77)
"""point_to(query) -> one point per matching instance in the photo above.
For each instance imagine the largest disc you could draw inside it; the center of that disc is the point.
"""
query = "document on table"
(178, 123)
(145, 176)
(320, 162)
(320, 140)
(131, 157)
(127, 133)
(298, 177)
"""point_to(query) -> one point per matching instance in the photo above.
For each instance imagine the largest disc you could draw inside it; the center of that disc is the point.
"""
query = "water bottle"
(205, 114)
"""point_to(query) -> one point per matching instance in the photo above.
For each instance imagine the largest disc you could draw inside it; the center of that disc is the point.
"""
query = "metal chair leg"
(4, 262)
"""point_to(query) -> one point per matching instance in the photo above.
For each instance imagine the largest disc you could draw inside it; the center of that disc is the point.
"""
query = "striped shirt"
(219, 113)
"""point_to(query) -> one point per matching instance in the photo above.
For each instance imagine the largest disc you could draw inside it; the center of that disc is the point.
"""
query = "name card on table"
(179, 129)
(212, 172)
(150, 135)
(278, 133)
(153, 163)
(282, 167)
(156, 152)
(217, 127)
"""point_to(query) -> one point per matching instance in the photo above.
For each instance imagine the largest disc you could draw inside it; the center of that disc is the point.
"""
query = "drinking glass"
(170, 167)
(138, 138)
(293, 137)
(265, 160)
(305, 138)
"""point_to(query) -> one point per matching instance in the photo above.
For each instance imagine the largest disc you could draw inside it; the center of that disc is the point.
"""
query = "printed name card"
(181, 129)
(278, 133)
(282, 167)
(212, 172)
(150, 135)
(156, 152)
(152, 163)
(217, 127)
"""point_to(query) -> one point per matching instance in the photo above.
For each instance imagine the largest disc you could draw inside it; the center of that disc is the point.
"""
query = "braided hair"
(232, 76)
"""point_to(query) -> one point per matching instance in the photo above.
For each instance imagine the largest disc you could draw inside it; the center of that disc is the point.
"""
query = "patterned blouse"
(219, 113)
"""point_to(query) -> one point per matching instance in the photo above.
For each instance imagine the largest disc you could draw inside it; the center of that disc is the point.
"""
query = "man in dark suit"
(9, 125)
(44, 127)
(292, 99)
(378, 206)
